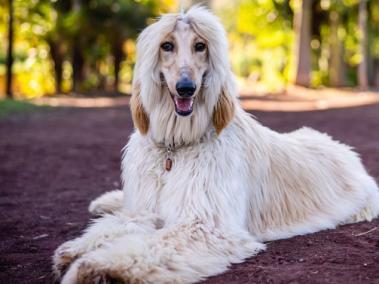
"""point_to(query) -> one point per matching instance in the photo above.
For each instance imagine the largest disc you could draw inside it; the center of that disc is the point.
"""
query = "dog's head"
(182, 80)
(183, 64)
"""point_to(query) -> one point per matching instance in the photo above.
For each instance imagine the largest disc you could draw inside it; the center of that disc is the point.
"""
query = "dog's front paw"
(64, 255)
(88, 271)
(108, 203)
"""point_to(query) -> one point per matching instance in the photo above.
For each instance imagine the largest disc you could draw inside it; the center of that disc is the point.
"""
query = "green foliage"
(8, 107)
(374, 19)
(46, 31)
(261, 38)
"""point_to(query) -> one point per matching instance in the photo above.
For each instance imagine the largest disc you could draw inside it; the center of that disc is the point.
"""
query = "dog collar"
(169, 152)
(172, 148)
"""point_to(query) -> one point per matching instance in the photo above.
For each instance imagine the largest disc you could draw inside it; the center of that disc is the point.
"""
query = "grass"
(8, 107)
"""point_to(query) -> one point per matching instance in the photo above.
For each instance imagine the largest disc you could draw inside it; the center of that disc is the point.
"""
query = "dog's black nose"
(185, 88)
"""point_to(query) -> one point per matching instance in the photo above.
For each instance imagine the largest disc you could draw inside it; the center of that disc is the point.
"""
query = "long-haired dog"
(204, 184)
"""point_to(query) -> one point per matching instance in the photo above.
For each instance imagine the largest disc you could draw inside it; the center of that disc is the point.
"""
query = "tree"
(336, 47)
(302, 26)
(118, 56)
(9, 62)
(77, 50)
(57, 39)
(373, 20)
(362, 34)
(57, 55)
(113, 23)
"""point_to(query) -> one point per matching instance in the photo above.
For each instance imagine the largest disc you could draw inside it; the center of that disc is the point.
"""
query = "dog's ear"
(140, 118)
(223, 112)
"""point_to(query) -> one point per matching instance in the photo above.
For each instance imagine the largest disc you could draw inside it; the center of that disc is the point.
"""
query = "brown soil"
(54, 162)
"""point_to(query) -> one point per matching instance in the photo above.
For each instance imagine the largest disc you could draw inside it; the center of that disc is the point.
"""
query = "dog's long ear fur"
(220, 92)
(223, 111)
(140, 118)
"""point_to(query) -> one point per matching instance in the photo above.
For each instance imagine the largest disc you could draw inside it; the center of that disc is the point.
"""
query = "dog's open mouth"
(183, 106)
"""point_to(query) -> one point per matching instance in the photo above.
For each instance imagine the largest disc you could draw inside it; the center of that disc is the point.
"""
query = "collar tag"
(168, 163)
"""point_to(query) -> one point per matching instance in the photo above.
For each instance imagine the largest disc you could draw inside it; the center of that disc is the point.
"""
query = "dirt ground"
(54, 162)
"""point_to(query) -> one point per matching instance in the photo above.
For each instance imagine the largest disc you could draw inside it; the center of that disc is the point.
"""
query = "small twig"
(39, 237)
(364, 233)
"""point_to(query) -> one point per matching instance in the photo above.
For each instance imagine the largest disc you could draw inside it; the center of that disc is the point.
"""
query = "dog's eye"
(167, 46)
(199, 47)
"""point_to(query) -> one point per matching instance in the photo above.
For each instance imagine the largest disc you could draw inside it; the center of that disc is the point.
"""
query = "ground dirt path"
(54, 162)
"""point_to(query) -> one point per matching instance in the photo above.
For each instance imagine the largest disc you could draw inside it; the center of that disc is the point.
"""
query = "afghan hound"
(204, 184)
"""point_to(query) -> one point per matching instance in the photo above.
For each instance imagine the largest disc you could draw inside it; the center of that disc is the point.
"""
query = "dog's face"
(183, 62)
(182, 70)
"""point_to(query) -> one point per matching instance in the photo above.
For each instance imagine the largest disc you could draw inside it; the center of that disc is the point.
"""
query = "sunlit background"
(88, 46)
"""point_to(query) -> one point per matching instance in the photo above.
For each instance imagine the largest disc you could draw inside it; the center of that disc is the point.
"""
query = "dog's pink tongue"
(183, 104)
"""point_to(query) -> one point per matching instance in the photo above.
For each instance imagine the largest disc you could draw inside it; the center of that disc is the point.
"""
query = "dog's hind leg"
(371, 209)
(107, 203)
(185, 253)
(369, 212)
(103, 231)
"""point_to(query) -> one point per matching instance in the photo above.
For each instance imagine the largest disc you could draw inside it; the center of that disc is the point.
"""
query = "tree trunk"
(117, 59)
(77, 56)
(57, 58)
(9, 62)
(336, 51)
(363, 49)
(302, 26)
(77, 67)
(371, 30)
(376, 73)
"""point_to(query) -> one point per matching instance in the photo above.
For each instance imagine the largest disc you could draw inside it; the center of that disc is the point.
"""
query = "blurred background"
(87, 47)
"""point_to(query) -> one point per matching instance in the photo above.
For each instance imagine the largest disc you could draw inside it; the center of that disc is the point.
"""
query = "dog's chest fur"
(201, 182)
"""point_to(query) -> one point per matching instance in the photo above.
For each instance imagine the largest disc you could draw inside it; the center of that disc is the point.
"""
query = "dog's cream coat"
(234, 183)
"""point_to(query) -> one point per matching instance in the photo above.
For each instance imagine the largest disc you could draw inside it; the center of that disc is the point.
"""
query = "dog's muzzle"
(184, 100)
(185, 88)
